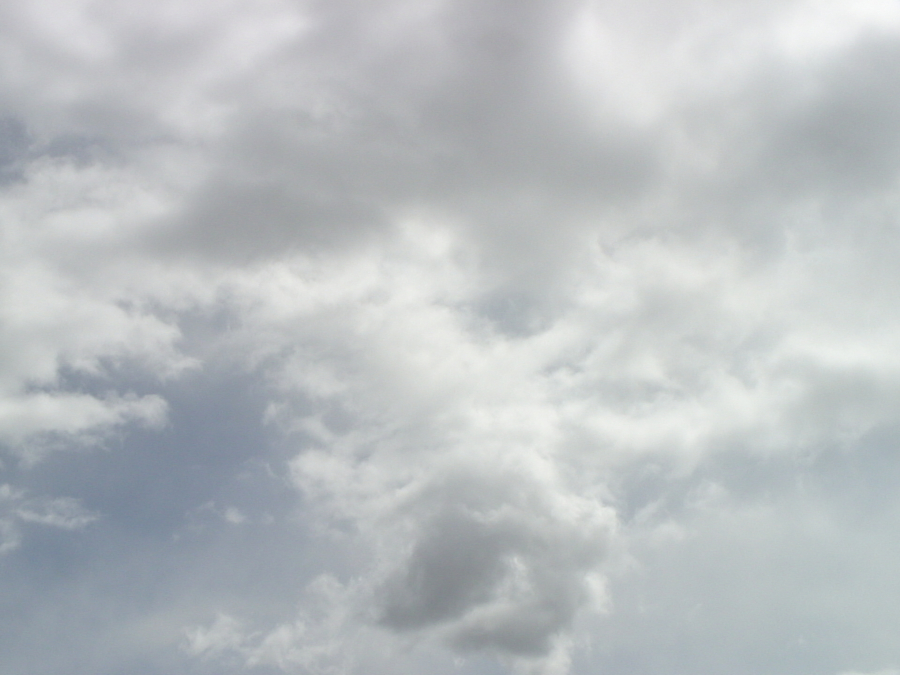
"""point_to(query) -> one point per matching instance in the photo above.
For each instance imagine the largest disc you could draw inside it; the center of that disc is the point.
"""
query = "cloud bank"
(449, 336)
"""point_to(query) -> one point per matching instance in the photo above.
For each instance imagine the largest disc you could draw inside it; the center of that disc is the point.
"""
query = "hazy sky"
(401, 337)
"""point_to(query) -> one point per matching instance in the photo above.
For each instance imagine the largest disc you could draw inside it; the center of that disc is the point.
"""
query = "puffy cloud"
(516, 284)
(473, 467)
(71, 308)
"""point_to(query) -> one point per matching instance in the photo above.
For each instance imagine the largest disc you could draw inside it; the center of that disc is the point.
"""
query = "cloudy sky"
(470, 337)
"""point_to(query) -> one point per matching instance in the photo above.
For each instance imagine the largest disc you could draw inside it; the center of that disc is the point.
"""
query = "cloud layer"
(449, 336)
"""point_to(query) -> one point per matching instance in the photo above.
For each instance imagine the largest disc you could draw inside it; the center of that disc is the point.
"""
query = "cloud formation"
(60, 512)
(450, 336)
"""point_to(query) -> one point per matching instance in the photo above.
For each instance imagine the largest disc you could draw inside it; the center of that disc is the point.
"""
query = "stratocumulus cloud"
(449, 336)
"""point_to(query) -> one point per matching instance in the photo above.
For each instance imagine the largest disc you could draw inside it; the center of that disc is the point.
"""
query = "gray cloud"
(448, 336)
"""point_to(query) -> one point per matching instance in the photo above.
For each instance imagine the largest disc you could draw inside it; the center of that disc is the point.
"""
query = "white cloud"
(70, 303)
(467, 465)
(224, 634)
(16, 508)
(515, 282)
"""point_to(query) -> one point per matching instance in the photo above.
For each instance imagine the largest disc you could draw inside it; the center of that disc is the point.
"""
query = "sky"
(450, 336)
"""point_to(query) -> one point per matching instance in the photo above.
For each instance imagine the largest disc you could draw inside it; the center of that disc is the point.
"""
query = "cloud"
(68, 314)
(468, 465)
(546, 312)
(17, 509)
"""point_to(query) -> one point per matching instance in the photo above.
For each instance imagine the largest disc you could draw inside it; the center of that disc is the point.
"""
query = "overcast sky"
(458, 337)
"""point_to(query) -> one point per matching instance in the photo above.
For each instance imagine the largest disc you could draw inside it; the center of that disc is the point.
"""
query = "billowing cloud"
(449, 336)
